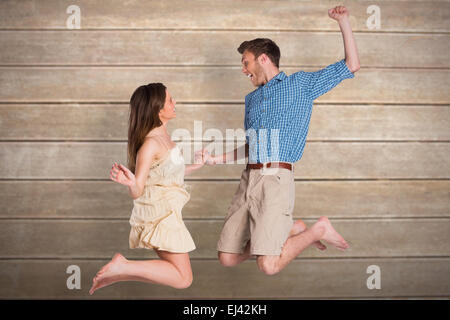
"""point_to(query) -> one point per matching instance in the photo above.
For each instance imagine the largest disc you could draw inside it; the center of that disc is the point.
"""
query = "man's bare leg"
(298, 227)
(232, 259)
(321, 230)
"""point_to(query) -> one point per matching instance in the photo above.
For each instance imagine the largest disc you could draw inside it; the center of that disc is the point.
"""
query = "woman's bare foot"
(298, 227)
(109, 273)
(324, 227)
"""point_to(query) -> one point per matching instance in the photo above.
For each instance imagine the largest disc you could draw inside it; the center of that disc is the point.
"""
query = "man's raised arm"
(319, 82)
(340, 14)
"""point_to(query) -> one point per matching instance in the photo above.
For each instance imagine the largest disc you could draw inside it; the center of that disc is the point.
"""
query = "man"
(277, 114)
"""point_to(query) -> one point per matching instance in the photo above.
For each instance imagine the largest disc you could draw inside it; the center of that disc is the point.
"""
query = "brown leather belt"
(269, 165)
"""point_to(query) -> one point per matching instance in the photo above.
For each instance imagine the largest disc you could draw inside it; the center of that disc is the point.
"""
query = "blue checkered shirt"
(277, 114)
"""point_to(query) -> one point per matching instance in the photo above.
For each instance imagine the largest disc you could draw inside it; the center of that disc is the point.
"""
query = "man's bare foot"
(323, 225)
(109, 273)
(298, 227)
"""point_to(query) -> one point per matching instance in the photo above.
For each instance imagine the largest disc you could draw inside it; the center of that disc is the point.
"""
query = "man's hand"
(338, 13)
(209, 159)
(199, 157)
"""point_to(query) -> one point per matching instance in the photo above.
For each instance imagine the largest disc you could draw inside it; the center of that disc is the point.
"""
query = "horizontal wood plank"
(100, 239)
(328, 122)
(422, 16)
(335, 199)
(320, 160)
(215, 48)
(327, 278)
(210, 84)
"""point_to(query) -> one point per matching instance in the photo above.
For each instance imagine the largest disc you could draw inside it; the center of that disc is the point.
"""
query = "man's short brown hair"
(259, 46)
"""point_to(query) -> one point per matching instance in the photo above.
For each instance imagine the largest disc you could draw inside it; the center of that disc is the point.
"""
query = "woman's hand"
(122, 175)
(199, 161)
(200, 157)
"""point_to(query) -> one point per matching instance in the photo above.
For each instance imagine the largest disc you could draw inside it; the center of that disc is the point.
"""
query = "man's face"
(252, 68)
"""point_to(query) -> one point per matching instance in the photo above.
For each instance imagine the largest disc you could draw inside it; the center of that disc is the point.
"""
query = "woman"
(155, 180)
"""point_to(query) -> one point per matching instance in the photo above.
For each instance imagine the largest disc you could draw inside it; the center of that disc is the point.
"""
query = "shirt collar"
(279, 77)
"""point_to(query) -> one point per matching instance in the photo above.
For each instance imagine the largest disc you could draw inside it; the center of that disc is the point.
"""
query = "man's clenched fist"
(338, 13)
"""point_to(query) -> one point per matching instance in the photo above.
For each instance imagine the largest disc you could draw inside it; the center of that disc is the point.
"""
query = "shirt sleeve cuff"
(343, 71)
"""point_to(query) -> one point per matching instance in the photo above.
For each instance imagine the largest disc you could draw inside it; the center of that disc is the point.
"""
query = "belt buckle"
(268, 171)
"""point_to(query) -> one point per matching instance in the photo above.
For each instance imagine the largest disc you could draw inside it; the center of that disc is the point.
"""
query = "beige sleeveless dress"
(156, 220)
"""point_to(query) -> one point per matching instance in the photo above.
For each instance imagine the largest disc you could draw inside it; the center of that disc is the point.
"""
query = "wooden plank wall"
(376, 160)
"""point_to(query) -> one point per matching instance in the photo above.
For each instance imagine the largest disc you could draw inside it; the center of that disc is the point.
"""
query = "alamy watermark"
(74, 280)
(74, 20)
(263, 143)
(374, 20)
(374, 280)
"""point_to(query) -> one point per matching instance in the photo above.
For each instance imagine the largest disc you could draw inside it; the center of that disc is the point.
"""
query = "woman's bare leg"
(173, 269)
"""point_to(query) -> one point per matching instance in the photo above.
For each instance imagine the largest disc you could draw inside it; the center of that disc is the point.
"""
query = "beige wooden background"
(376, 160)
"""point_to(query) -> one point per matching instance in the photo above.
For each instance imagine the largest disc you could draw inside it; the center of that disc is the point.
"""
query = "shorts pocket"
(287, 190)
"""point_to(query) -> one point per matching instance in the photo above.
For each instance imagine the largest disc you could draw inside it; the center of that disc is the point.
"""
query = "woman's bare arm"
(146, 155)
(199, 161)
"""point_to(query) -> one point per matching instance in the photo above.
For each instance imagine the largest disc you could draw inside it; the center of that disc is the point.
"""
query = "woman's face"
(168, 112)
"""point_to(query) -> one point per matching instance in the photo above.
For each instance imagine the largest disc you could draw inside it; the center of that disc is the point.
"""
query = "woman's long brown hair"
(145, 104)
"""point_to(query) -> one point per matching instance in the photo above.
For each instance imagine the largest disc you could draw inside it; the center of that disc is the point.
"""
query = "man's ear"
(263, 58)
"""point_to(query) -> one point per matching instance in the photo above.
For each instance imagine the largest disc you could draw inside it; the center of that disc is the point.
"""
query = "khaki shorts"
(260, 211)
